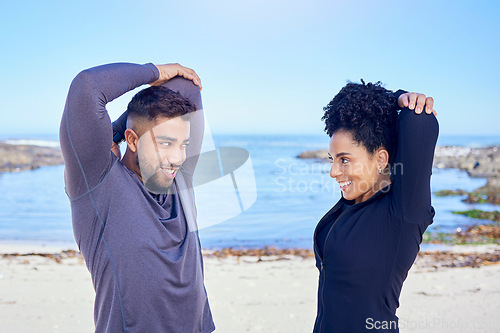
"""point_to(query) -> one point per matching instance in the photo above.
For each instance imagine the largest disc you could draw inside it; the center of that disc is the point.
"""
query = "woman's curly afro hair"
(368, 112)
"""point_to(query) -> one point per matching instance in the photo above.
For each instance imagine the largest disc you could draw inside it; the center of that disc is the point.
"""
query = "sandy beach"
(53, 293)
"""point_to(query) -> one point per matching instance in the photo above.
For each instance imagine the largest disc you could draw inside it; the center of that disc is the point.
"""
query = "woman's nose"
(335, 171)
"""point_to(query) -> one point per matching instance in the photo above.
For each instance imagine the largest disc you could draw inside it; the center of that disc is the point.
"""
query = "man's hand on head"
(169, 71)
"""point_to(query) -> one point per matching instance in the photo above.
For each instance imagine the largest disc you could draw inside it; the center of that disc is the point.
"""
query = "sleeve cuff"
(154, 70)
(396, 95)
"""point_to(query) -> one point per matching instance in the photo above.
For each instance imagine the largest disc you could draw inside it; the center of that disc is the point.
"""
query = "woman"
(368, 241)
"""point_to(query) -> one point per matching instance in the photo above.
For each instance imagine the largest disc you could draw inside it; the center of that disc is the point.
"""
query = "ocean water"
(292, 195)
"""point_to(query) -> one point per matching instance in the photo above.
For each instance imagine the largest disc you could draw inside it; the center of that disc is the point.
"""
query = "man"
(134, 218)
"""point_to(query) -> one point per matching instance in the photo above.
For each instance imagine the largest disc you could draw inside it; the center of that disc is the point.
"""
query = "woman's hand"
(417, 101)
(169, 71)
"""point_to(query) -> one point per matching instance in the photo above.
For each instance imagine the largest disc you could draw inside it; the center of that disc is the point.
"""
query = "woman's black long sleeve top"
(370, 246)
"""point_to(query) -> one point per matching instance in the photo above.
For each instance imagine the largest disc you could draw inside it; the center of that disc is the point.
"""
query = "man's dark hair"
(368, 112)
(157, 101)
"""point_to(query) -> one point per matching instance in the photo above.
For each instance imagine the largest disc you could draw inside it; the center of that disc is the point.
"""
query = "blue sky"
(266, 66)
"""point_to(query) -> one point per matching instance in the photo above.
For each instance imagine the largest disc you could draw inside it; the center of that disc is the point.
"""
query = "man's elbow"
(83, 81)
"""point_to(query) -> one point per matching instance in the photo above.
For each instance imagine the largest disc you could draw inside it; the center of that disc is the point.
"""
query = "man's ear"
(132, 139)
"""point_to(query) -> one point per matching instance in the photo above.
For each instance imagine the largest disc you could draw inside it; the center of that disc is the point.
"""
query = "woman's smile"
(345, 184)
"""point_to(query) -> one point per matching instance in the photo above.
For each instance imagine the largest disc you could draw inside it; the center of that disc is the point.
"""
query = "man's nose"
(176, 156)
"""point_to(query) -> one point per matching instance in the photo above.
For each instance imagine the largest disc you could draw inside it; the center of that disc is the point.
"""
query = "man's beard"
(153, 178)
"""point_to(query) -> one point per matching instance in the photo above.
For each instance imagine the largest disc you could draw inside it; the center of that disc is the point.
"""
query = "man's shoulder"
(119, 179)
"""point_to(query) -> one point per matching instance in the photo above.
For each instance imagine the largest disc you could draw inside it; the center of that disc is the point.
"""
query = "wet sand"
(53, 293)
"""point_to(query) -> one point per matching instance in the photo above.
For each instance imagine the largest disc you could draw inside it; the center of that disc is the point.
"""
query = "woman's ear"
(382, 158)
(132, 139)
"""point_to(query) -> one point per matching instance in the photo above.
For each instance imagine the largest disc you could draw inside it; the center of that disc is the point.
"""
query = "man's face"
(161, 152)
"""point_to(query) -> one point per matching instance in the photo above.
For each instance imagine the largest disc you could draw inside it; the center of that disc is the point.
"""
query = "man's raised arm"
(86, 131)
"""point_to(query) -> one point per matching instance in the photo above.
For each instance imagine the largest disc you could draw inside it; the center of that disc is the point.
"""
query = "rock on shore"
(478, 162)
(15, 158)
(320, 154)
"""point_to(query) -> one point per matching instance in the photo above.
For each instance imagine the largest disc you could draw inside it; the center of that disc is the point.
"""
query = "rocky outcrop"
(478, 162)
(27, 157)
(321, 154)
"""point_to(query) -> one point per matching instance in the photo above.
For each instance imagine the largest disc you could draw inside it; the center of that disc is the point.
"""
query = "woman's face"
(354, 168)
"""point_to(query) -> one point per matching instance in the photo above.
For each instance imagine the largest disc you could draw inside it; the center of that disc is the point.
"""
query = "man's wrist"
(118, 137)
(119, 127)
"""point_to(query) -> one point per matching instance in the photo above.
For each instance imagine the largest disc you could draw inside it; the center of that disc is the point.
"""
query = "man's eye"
(166, 144)
(344, 160)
